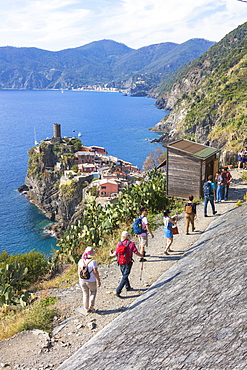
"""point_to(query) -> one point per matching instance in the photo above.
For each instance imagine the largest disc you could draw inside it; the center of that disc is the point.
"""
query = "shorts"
(143, 241)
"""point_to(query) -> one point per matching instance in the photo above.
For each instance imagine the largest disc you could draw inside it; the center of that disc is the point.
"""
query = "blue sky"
(61, 24)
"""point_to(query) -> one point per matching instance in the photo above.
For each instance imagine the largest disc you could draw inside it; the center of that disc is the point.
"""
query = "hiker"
(190, 214)
(143, 237)
(89, 286)
(244, 158)
(124, 252)
(219, 190)
(209, 195)
(168, 222)
(240, 160)
(227, 178)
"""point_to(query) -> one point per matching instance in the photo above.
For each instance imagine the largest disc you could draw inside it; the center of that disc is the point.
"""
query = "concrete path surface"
(193, 317)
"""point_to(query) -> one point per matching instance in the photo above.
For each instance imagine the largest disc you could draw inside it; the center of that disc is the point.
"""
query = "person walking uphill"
(88, 285)
(190, 214)
(209, 195)
(168, 222)
(143, 237)
(124, 252)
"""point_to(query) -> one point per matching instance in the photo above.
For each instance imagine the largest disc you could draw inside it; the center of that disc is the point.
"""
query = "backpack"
(123, 254)
(85, 273)
(137, 226)
(188, 208)
(207, 188)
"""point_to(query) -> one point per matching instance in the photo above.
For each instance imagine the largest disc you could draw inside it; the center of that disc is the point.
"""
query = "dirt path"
(36, 350)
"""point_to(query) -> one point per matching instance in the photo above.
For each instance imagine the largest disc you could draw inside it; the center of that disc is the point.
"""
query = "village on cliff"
(109, 173)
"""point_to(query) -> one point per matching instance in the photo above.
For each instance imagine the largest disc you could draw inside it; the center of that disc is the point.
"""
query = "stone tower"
(56, 132)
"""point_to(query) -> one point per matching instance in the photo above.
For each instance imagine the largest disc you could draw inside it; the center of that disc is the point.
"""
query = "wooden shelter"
(188, 165)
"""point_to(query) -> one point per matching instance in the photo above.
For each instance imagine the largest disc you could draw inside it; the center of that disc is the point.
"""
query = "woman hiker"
(89, 286)
(190, 214)
(168, 222)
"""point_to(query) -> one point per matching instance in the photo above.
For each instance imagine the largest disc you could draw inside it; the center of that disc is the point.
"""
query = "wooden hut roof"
(194, 149)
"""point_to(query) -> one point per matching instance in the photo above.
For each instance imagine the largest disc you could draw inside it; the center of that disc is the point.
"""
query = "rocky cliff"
(43, 186)
(208, 101)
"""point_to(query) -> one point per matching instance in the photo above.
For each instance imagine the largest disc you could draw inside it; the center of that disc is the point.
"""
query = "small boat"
(79, 134)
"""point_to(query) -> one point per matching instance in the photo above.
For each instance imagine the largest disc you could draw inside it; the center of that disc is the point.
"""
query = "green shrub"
(35, 262)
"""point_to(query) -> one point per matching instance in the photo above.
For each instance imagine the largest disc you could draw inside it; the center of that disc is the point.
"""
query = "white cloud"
(59, 24)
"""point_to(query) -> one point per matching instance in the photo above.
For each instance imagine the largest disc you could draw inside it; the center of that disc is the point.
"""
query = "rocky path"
(37, 350)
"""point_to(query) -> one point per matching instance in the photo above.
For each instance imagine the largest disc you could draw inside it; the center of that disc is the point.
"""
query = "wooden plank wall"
(183, 175)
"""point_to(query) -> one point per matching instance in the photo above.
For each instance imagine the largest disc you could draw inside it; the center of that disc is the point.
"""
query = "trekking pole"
(142, 266)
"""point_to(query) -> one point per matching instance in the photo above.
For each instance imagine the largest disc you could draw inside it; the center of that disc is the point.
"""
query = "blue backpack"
(137, 226)
(207, 188)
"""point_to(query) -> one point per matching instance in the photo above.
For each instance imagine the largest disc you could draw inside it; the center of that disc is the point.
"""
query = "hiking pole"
(142, 266)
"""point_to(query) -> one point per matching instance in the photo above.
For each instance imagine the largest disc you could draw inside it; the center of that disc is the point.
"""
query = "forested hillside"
(102, 63)
(209, 98)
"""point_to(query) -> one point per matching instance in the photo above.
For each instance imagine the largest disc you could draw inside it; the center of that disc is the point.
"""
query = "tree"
(154, 159)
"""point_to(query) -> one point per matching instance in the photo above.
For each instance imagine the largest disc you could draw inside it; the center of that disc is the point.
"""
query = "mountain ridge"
(208, 100)
(104, 62)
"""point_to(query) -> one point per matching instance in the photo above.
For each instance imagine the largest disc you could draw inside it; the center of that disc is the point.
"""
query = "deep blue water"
(116, 122)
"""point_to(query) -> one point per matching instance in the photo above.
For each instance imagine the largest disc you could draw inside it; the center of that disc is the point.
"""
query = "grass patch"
(244, 176)
(65, 278)
(37, 316)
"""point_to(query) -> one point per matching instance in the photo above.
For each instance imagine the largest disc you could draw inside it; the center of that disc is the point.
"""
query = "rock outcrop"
(43, 186)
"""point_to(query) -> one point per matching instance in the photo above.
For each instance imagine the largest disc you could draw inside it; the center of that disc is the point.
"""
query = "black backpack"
(85, 273)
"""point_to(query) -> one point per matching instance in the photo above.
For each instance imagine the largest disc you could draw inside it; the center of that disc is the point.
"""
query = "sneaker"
(129, 289)
(118, 295)
(205, 215)
(215, 213)
(167, 253)
(143, 259)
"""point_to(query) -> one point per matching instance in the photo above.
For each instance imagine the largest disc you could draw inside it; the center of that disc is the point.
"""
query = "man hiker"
(143, 237)
(227, 178)
(209, 195)
(124, 252)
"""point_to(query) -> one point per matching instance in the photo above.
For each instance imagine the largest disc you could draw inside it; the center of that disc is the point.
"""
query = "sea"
(116, 122)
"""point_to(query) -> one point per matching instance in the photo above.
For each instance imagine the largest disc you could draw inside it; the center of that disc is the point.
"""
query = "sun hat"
(89, 252)
(125, 235)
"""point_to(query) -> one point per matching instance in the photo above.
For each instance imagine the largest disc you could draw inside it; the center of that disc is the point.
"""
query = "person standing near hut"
(190, 214)
(168, 222)
(209, 195)
(219, 190)
(227, 178)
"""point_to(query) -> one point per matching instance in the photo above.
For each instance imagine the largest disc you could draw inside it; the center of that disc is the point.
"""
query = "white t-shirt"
(144, 225)
(91, 265)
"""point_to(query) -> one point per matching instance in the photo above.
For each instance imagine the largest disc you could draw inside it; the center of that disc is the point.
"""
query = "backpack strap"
(86, 264)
